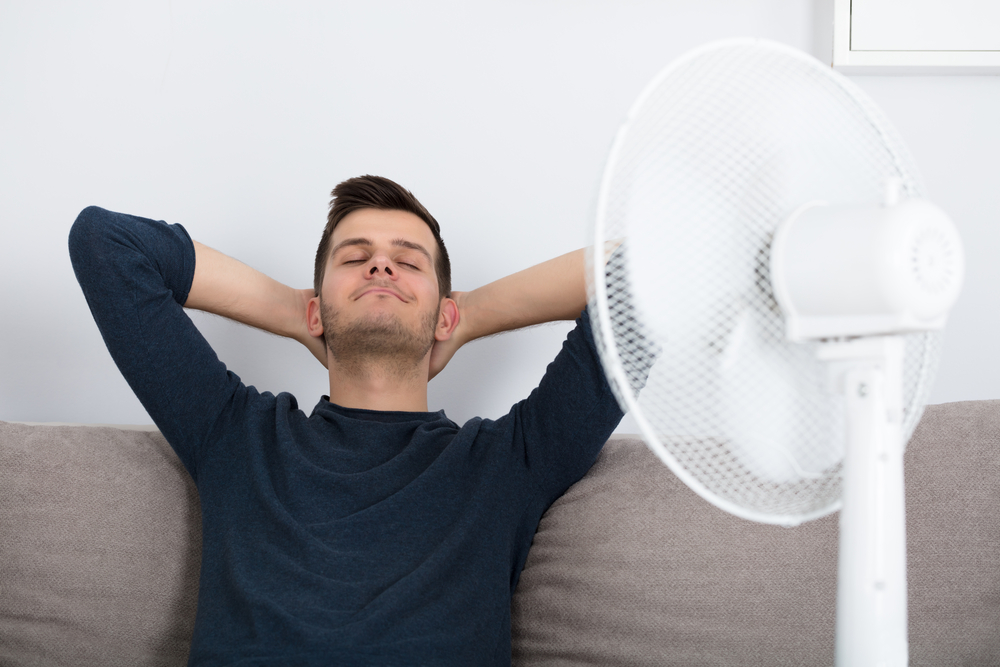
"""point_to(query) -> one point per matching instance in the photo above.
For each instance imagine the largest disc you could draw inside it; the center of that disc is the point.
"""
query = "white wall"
(237, 118)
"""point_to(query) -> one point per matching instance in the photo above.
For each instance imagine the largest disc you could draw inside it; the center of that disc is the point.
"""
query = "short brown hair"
(379, 193)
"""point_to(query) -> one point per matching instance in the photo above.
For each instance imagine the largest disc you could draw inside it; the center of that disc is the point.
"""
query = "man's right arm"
(227, 287)
(137, 274)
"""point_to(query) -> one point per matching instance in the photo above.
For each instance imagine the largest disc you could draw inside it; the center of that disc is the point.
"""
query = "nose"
(380, 264)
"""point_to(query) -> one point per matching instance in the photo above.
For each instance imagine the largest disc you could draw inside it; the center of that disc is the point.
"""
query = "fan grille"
(719, 149)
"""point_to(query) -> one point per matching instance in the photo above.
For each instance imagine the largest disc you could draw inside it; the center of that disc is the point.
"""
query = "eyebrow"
(399, 243)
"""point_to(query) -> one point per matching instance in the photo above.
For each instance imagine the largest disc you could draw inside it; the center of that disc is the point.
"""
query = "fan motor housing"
(840, 271)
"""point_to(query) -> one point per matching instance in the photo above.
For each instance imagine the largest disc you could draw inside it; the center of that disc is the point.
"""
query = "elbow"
(85, 235)
(89, 221)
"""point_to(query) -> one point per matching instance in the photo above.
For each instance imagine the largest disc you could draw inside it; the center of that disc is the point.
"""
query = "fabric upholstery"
(100, 548)
(630, 567)
(100, 543)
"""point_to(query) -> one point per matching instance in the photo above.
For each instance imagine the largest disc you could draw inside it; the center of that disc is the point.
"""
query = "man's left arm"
(547, 292)
(565, 421)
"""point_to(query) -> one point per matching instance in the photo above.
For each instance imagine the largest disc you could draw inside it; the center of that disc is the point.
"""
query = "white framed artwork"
(916, 36)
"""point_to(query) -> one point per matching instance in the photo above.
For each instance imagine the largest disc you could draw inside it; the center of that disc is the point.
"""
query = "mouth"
(382, 290)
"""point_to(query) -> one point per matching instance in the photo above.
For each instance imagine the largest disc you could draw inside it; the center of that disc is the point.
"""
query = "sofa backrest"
(100, 547)
(630, 567)
(100, 550)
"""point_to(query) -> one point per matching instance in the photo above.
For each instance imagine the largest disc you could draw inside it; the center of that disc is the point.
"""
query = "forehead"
(384, 227)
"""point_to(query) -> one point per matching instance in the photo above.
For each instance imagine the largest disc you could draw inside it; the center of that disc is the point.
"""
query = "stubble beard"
(380, 344)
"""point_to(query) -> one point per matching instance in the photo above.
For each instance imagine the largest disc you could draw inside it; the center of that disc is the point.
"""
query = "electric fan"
(767, 291)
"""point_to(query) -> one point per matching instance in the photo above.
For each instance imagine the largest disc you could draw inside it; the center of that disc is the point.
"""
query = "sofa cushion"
(100, 543)
(100, 547)
(630, 567)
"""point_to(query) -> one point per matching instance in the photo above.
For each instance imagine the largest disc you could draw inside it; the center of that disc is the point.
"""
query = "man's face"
(380, 295)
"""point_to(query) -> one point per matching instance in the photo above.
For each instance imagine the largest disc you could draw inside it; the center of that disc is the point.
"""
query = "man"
(369, 532)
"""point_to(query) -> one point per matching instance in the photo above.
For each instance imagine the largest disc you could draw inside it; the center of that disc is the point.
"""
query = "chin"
(377, 333)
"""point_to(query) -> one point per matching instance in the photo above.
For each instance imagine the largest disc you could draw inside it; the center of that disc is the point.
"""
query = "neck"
(375, 386)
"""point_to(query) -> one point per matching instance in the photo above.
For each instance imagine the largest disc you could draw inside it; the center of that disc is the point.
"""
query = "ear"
(314, 317)
(448, 318)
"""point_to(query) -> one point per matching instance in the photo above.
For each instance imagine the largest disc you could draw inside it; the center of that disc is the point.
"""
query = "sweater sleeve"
(135, 274)
(566, 420)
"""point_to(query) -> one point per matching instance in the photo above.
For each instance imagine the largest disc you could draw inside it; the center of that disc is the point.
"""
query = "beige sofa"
(100, 548)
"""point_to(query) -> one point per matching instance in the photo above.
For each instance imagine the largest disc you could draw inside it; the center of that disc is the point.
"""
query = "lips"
(382, 290)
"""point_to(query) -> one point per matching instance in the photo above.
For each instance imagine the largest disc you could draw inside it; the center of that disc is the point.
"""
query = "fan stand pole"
(871, 584)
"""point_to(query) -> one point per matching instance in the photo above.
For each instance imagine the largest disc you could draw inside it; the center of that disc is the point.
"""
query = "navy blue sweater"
(345, 536)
